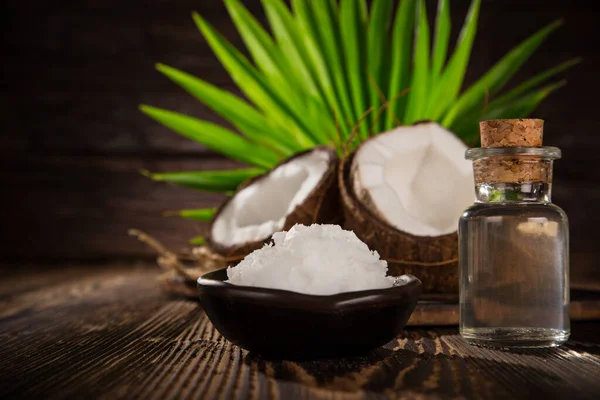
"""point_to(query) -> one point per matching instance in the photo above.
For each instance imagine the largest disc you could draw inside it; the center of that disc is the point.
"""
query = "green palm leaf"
(274, 65)
(290, 40)
(468, 123)
(353, 17)
(214, 137)
(377, 45)
(289, 37)
(420, 78)
(266, 55)
(310, 35)
(254, 85)
(446, 90)
(326, 18)
(400, 61)
(442, 38)
(524, 106)
(495, 79)
(242, 115)
(536, 80)
(210, 181)
(467, 128)
(325, 63)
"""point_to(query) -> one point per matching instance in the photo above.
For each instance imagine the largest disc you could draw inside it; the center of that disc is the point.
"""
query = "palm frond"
(210, 181)
(319, 66)
(448, 87)
(442, 38)
(400, 61)
(495, 79)
(536, 80)
(421, 75)
(247, 119)
(467, 128)
(214, 137)
(327, 20)
(310, 34)
(377, 45)
(255, 85)
(353, 18)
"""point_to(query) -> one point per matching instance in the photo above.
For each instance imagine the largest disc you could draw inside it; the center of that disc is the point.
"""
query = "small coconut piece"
(301, 190)
(403, 193)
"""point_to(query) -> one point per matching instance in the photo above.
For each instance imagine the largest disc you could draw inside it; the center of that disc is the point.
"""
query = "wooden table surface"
(108, 332)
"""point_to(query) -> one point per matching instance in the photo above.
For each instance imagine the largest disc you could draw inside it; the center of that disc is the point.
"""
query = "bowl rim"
(213, 283)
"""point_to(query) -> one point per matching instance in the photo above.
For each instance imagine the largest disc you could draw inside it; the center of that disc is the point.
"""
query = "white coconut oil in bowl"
(317, 291)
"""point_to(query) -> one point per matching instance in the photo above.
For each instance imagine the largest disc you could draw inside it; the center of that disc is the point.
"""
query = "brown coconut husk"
(321, 206)
(432, 259)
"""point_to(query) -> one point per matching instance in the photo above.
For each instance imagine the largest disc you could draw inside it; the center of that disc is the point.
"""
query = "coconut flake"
(416, 178)
(316, 259)
(260, 209)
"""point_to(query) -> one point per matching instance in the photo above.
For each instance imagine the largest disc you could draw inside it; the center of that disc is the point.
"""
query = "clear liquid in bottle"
(514, 271)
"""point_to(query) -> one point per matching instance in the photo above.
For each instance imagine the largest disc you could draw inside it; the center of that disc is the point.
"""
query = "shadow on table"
(383, 371)
(392, 372)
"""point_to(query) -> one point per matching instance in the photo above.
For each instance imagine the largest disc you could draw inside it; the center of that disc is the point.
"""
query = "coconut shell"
(321, 206)
(432, 259)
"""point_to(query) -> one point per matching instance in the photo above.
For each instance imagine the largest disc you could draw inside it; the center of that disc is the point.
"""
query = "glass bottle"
(514, 258)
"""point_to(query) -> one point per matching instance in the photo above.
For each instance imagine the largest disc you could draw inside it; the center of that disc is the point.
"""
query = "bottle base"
(515, 338)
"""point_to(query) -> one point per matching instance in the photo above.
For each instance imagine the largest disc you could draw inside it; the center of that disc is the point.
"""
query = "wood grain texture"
(109, 333)
(82, 207)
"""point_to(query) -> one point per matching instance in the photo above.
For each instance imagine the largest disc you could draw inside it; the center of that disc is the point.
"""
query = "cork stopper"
(518, 169)
(511, 132)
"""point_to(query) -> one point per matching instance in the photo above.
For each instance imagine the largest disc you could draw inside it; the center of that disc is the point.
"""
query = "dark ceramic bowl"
(288, 325)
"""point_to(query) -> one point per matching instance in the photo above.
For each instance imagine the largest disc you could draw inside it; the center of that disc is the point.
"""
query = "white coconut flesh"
(416, 177)
(261, 209)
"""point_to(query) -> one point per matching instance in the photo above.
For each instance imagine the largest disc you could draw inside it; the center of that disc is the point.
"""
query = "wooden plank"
(82, 207)
(109, 333)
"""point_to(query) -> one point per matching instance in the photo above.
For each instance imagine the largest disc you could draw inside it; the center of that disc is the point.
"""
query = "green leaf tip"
(197, 241)
(196, 16)
(202, 214)
(145, 108)
(148, 174)
(552, 87)
(557, 23)
(200, 22)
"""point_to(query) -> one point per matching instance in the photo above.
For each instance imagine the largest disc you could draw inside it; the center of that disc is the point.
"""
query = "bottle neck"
(507, 192)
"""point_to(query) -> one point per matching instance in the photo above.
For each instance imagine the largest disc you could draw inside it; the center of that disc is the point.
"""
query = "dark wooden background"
(74, 72)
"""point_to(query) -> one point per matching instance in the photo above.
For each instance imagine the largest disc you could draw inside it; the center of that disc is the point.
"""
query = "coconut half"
(302, 189)
(403, 193)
